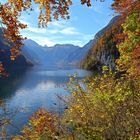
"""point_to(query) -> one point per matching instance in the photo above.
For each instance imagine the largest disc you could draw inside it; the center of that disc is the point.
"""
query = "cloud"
(57, 24)
(54, 27)
(64, 31)
(42, 30)
(45, 41)
(57, 32)
(37, 30)
(69, 31)
(53, 31)
(42, 40)
(51, 40)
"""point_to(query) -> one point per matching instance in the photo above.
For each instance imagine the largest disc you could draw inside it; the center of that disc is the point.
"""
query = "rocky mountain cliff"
(103, 51)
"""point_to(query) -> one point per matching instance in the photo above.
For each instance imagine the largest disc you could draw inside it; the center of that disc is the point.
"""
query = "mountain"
(44, 55)
(33, 51)
(97, 52)
(75, 57)
(58, 53)
(9, 65)
(104, 50)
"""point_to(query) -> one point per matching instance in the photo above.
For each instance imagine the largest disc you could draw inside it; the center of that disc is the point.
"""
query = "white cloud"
(53, 31)
(56, 33)
(43, 41)
(69, 31)
(37, 30)
(51, 40)
(57, 24)
(54, 27)
(42, 30)
(64, 31)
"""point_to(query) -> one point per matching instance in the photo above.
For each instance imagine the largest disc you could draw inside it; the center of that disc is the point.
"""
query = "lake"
(37, 87)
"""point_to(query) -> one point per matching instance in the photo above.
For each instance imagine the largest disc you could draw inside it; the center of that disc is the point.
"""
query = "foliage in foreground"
(106, 106)
(102, 108)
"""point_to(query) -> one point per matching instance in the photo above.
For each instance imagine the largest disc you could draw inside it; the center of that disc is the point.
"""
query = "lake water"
(37, 87)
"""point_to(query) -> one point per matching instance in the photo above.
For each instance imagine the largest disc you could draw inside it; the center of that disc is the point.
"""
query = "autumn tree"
(129, 40)
(104, 106)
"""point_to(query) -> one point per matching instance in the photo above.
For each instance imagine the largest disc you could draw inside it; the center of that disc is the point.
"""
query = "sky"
(82, 26)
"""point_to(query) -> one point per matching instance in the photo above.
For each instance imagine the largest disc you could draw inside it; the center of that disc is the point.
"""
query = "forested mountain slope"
(104, 50)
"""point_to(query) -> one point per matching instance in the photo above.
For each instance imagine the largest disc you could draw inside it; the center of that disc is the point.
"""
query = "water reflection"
(37, 87)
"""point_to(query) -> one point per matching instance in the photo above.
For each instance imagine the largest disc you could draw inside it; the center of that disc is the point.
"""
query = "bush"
(101, 107)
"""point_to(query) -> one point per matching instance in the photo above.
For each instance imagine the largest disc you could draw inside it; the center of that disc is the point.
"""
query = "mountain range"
(92, 53)
(59, 54)
(69, 54)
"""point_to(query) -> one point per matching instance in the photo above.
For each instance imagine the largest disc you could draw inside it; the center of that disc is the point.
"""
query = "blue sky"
(83, 24)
